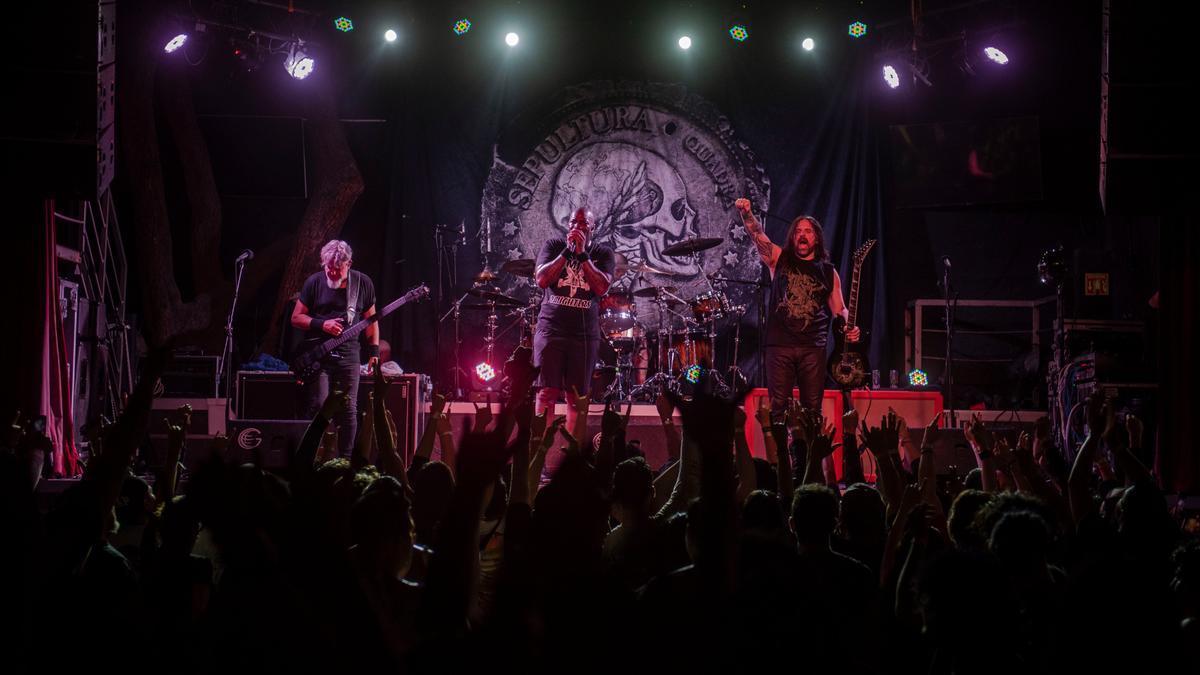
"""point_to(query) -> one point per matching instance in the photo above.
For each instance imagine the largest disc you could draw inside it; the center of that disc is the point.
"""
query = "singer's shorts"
(565, 361)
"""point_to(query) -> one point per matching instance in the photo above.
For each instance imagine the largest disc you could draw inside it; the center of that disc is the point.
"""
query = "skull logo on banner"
(639, 200)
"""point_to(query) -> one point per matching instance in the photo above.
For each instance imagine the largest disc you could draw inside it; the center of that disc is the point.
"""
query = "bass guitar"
(307, 364)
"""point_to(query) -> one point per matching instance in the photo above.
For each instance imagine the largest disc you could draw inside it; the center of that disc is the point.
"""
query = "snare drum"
(710, 306)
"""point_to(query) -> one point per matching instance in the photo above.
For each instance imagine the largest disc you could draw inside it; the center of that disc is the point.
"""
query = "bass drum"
(691, 348)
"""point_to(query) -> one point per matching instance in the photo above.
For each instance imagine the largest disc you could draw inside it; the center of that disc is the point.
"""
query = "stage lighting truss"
(461, 27)
(739, 33)
(298, 64)
(857, 29)
(343, 24)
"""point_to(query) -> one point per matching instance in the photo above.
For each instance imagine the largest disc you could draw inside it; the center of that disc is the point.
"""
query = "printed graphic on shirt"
(572, 278)
(801, 297)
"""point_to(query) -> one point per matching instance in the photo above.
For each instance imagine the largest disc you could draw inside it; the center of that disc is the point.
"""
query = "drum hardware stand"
(663, 380)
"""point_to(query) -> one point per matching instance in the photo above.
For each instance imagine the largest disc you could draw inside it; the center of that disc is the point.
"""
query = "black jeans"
(788, 367)
(339, 372)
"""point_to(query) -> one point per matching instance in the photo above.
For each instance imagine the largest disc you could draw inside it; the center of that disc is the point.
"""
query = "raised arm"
(768, 252)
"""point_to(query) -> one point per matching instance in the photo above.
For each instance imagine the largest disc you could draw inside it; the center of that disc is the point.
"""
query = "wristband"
(315, 324)
(372, 351)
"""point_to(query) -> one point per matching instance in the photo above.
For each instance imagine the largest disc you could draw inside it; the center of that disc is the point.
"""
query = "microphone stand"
(951, 305)
(223, 363)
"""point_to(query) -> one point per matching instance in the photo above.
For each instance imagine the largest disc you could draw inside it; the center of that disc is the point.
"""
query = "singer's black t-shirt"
(569, 307)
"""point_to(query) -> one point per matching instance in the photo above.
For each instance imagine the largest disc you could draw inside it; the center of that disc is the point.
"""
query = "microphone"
(946, 261)
(246, 255)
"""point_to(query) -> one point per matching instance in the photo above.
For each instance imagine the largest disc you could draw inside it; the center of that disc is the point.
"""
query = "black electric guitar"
(307, 364)
(848, 364)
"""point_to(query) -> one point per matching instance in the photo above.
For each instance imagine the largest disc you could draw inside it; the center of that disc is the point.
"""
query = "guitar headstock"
(861, 253)
(418, 292)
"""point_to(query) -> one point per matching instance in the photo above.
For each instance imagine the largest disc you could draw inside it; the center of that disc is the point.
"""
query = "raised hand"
(551, 431)
(537, 425)
(821, 445)
(612, 422)
(742, 205)
(930, 433)
(572, 444)
(442, 421)
(483, 417)
(763, 412)
(579, 402)
(438, 404)
(1133, 426)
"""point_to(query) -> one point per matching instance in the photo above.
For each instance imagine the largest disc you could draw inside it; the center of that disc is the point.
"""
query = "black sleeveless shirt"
(799, 314)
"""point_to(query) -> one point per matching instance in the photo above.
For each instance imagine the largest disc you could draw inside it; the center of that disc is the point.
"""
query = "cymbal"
(485, 275)
(652, 291)
(522, 267)
(646, 268)
(494, 295)
(690, 246)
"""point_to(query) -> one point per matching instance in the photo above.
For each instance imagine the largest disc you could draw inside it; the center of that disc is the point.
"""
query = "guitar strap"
(352, 299)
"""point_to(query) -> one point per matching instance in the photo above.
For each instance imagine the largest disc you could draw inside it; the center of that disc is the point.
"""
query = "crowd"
(530, 547)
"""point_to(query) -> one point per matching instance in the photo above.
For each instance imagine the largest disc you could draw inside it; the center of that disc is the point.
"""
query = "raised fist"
(742, 205)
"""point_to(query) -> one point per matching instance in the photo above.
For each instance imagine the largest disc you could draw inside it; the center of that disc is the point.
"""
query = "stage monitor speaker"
(269, 444)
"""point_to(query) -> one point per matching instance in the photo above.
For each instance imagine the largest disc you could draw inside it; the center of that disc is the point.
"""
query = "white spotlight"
(298, 64)
(389, 35)
(175, 43)
(808, 44)
(891, 77)
(685, 42)
(512, 39)
(996, 55)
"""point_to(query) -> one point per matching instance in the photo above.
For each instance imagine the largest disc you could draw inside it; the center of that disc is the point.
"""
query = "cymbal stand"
(489, 340)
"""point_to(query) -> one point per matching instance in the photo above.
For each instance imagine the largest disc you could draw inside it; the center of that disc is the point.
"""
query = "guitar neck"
(354, 331)
(852, 305)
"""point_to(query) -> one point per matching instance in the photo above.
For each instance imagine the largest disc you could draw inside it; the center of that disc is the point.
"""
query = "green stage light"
(343, 24)
(461, 27)
(857, 29)
(739, 33)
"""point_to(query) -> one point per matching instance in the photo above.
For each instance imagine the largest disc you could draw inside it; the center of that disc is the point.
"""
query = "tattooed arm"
(768, 252)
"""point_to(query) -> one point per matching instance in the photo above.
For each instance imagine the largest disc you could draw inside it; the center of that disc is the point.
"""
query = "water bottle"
(874, 379)
(894, 378)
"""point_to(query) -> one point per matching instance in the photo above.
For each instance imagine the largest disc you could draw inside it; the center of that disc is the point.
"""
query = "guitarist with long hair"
(330, 301)
(806, 293)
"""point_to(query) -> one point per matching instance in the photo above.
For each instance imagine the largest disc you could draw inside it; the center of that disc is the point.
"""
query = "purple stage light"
(891, 77)
(175, 43)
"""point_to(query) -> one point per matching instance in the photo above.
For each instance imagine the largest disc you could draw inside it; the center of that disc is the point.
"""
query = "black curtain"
(807, 126)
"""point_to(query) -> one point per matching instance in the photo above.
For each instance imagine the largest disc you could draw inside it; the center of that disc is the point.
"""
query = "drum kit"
(672, 353)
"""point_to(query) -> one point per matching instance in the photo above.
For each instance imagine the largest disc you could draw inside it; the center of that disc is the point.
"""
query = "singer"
(330, 301)
(574, 272)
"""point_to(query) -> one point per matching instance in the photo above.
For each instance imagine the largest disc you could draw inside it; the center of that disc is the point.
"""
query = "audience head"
(763, 512)
(963, 511)
(814, 514)
(1021, 541)
(862, 514)
(633, 489)
(381, 525)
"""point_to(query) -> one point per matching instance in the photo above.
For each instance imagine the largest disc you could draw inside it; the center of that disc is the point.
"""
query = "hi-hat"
(522, 267)
(690, 246)
(494, 295)
(652, 291)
